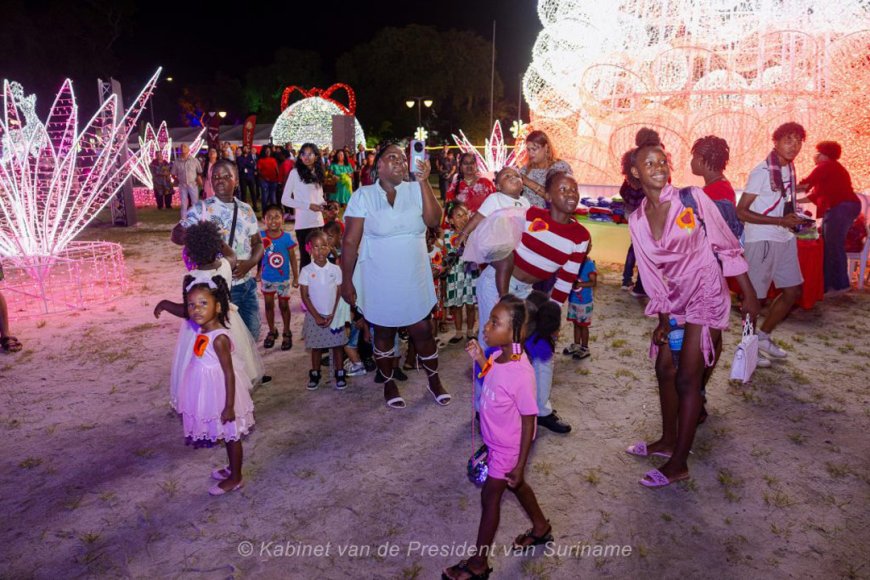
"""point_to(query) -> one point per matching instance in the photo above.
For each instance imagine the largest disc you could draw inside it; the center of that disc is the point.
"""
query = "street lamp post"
(421, 102)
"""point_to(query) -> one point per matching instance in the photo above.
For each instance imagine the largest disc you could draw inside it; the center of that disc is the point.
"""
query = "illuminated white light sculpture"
(153, 142)
(26, 136)
(734, 68)
(310, 119)
(495, 152)
(50, 189)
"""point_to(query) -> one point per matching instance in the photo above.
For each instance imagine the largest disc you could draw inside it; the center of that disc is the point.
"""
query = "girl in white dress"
(213, 398)
(203, 244)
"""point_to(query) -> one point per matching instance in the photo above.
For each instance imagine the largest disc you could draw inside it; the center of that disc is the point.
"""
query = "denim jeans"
(543, 384)
(244, 296)
(268, 193)
(835, 226)
(188, 195)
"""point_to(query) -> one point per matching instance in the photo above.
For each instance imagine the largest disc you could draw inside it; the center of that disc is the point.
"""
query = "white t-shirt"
(498, 200)
(322, 285)
(759, 185)
(300, 195)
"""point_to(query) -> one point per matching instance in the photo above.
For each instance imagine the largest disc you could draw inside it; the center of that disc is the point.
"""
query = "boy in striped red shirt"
(552, 242)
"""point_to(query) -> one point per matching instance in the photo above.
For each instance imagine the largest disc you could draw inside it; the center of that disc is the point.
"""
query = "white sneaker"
(627, 287)
(763, 362)
(768, 347)
(571, 349)
(354, 369)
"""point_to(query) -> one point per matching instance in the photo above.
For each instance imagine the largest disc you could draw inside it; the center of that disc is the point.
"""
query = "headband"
(201, 278)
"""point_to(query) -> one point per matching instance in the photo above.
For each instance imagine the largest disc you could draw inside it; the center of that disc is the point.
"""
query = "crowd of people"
(261, 174)
(396, 266)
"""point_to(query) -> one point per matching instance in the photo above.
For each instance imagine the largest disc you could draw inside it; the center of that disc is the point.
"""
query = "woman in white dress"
(385, 264)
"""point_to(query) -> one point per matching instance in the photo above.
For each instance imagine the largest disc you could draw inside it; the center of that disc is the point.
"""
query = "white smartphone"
(418, 153)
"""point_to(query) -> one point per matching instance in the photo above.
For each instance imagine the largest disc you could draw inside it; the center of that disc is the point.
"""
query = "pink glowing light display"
(689, 68)
(495, 153)
(52, 184)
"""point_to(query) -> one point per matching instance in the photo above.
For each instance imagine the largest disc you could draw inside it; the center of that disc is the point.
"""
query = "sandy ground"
(96, 480)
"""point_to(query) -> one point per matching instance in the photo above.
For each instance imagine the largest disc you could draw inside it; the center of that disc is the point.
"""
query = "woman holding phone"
(385, 265)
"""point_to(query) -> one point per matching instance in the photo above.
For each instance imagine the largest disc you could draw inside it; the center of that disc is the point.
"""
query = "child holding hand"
(508, 412)
(213, 398)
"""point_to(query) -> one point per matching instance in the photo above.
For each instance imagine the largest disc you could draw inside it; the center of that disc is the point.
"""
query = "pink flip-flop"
(655, 478)
(218, 490)
(639, 449)
(221, 474)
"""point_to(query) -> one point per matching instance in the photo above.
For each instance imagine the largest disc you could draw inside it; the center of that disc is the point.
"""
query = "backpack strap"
(688, 200)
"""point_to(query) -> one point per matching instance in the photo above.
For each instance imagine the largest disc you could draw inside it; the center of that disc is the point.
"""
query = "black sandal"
(547, 536)
(270, 339)
(10, 344)
(287, 343)
(462, 567)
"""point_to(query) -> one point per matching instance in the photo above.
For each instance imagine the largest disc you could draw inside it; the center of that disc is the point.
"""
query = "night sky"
(192, 40)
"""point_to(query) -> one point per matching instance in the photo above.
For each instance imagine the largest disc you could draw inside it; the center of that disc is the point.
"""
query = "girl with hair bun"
(679, 251)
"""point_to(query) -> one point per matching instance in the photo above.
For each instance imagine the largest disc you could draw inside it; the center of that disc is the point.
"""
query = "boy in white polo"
(767, 207)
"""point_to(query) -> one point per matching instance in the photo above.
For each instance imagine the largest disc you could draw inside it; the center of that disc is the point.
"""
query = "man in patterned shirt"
(244, 240)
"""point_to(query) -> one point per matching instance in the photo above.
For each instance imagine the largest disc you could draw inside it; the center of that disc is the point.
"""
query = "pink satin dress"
(680, 272)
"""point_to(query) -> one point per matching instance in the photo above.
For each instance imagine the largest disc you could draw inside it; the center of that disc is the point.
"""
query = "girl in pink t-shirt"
(508, 414)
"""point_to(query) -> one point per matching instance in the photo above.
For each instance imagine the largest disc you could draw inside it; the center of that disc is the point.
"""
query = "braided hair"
(519, 312)
(714, 151)
(221, 294)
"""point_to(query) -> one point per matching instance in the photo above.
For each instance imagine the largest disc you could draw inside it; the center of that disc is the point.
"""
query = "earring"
(516, 351)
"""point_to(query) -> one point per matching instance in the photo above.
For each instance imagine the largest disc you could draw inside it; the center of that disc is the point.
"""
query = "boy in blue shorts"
(279, 259)
(580, 309)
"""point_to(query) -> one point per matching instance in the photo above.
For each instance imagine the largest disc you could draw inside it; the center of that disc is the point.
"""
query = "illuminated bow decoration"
(326, 94)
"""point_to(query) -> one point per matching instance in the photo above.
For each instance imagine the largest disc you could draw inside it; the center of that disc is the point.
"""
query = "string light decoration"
(51, 189)
(495, 152)
(733, 68)
(310, 119)
(153, 142)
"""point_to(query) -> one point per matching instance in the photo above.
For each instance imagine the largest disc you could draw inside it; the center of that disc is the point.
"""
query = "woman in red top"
(838, 206)
(267, 168)
(468, 187)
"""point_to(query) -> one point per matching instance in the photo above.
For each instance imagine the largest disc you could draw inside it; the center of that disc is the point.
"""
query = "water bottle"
(675, 340)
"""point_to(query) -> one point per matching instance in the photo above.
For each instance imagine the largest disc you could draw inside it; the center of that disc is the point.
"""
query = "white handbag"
(746, 357)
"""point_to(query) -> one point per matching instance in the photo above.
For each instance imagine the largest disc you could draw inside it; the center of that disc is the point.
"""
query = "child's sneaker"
(354, 369)
(582, 353)
(313, 380)
(571, 349)
(340, 380)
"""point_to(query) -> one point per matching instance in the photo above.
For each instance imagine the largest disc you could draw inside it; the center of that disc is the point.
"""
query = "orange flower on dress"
(538, 225)
(686, 219)
(200, 344)
(437, 259)
(454, 241)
